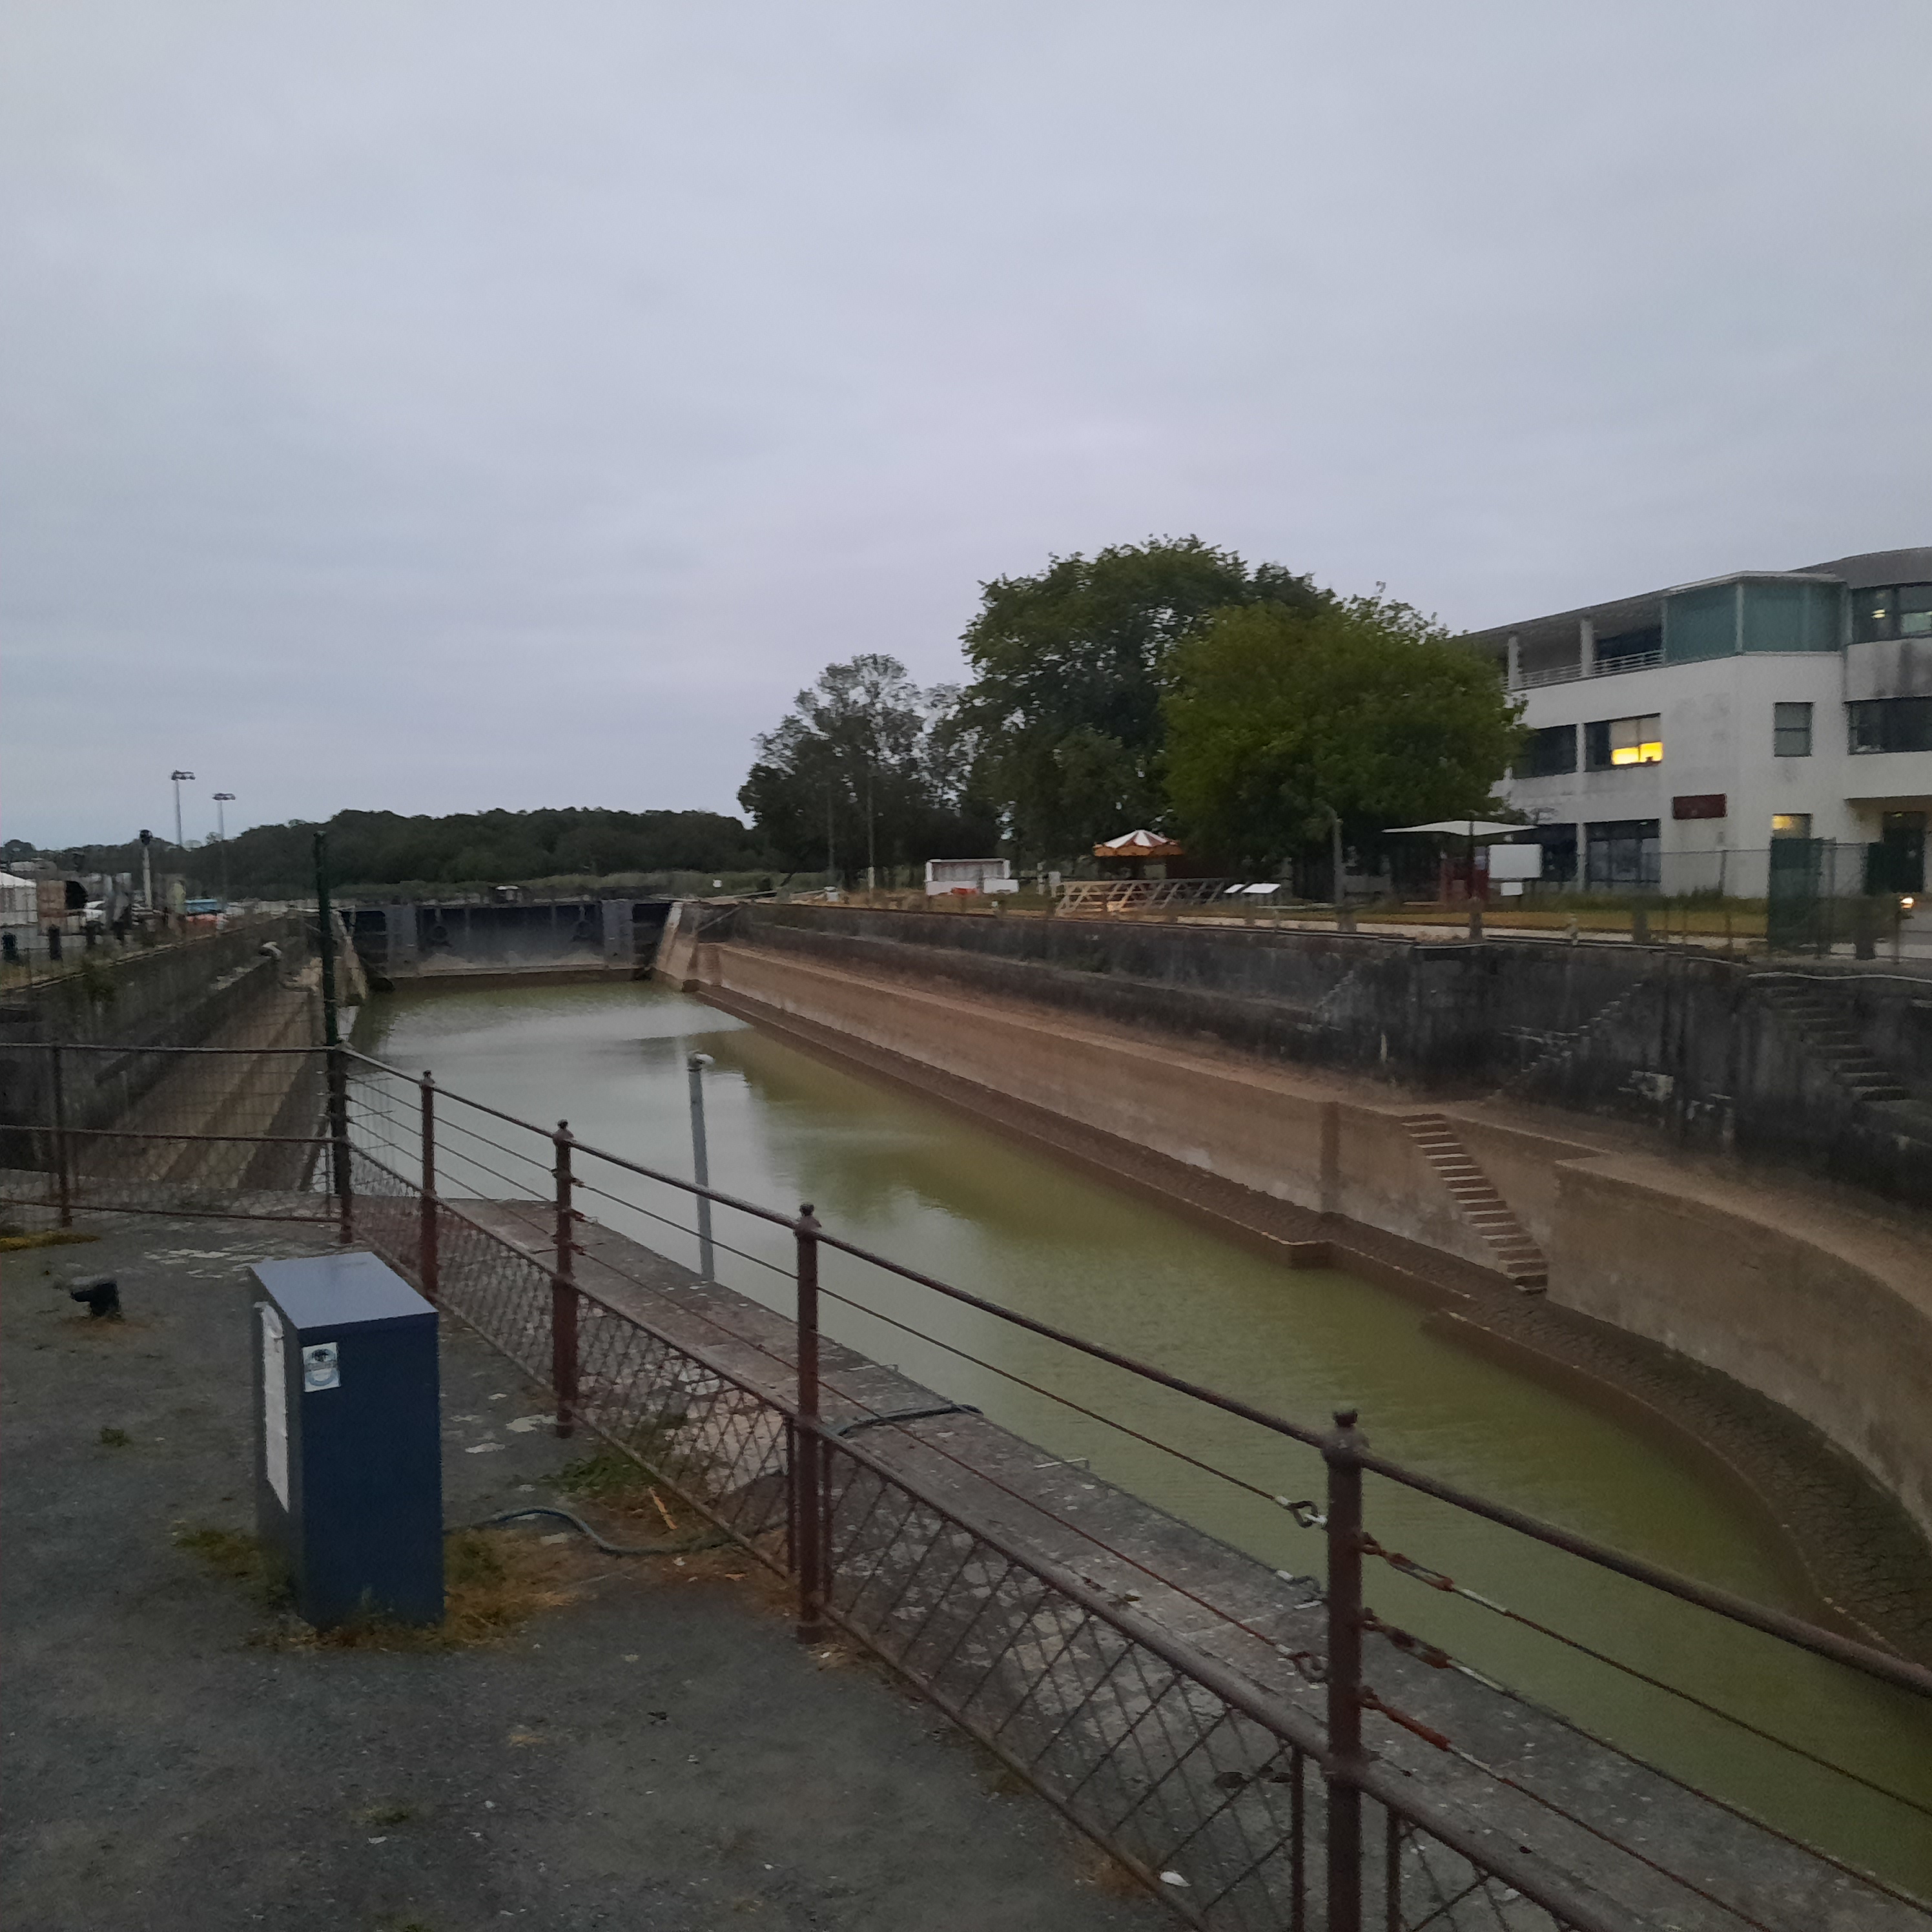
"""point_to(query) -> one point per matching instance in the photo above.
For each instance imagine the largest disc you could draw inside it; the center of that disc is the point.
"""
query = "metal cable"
(1437, 1658)
(1421, 1572)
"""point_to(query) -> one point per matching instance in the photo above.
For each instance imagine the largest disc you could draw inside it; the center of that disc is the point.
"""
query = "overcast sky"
(436, 404)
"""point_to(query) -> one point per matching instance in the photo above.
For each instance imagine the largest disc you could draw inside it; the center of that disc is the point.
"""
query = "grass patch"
(607, 1477)
(228, 1552)
(48, 1238)
(494, 1582)
(114, 1438)
(378, 1816)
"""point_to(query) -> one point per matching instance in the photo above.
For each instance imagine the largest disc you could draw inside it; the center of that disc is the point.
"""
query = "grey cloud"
(439, 405)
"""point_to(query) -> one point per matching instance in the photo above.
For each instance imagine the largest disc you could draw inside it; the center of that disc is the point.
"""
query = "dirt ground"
(654, 1750)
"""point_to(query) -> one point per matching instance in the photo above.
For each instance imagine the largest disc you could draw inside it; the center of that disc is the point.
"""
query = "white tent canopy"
(1464, 828)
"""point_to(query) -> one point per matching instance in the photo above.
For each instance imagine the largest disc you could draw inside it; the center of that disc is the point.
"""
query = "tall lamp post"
(177, 779)
(222, 798)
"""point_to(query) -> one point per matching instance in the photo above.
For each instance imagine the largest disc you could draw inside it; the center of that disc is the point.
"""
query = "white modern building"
(1677, 735)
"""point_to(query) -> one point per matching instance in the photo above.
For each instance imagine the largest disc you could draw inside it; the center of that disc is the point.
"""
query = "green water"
(915, 1181)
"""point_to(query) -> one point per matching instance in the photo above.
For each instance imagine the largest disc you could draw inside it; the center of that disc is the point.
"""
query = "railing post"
(700, 1163)
(63, 1185)
(808, 1462)
(563, 1291)
(1341, 1450)
(342, 1185)
(429, 1260)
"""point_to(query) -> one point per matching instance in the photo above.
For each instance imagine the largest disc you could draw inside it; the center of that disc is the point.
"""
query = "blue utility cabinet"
(349, 1450)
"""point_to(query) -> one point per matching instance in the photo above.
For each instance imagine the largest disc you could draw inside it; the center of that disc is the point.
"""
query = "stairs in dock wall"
(1481, 1207)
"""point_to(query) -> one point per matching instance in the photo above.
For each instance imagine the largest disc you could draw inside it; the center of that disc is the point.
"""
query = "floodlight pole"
(177, 779)
(222, 798)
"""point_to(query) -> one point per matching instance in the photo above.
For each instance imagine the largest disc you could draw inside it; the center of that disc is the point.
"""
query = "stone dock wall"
(1793, 1292)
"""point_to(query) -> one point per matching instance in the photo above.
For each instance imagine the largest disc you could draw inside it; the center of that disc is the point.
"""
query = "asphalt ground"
(655, 1750)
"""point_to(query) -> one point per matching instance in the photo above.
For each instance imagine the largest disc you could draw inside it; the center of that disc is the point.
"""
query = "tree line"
(386, 848)
(1166, 684)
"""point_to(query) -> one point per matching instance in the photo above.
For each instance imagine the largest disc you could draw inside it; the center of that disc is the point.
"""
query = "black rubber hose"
(716, 1541)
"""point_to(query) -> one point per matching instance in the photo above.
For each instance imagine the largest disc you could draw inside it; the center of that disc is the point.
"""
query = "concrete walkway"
(656, 1752)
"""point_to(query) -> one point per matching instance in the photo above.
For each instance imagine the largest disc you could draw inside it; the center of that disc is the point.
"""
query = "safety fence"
(1298, 1763)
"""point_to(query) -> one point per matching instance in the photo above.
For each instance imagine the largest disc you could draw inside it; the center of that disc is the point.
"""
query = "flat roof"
(1861, 572)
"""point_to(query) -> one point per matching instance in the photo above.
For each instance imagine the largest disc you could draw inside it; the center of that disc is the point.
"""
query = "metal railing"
(1530, 680)
(1259, 1771)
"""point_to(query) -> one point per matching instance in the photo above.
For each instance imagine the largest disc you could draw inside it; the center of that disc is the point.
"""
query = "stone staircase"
(1828, 1035)
(1516, 1255)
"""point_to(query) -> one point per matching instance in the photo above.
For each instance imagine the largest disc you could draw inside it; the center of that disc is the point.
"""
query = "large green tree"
(1364, 707)
(867, 769)
(1069, 667)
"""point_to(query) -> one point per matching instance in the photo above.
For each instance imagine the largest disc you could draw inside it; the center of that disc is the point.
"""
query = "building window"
(1615, 742)
(1547, 753)
(1791, 730)
(1621, 854)
(1791, 825)
(1891, 724)
(1901, 610)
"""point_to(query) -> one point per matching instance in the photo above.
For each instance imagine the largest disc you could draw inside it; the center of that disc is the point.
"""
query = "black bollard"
(102, 1294)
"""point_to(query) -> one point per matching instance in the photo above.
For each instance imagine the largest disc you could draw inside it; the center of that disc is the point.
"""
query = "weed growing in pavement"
(114, 1438)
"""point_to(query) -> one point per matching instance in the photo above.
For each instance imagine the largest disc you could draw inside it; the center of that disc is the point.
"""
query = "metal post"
(808, 1449)
(700, 1162)
(1346, 1761)
(331, 1040)
(429, 1260)
(563, 1291)
(63, 1188)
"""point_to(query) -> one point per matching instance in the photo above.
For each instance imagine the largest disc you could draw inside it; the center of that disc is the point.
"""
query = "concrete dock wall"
(1825, 1311)
(1653, 1034)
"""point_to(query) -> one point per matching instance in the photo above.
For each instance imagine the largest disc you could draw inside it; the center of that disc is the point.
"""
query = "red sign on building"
(1699, 805)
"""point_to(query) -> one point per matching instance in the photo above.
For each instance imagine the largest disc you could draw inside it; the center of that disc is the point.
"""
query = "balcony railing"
(1605, 667)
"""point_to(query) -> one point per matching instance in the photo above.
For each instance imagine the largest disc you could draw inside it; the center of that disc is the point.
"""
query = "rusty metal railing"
(1229, 1799)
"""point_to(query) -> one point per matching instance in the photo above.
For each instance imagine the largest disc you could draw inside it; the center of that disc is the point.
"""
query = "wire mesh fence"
(1298, 1784)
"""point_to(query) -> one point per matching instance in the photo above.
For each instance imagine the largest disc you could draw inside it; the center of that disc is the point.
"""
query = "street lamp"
(222, 798)
(176, 779)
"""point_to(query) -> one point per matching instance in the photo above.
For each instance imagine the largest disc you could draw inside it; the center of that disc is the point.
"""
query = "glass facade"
(1754, 614)
(1700, 623)
(1789, 616)
(1901, 610)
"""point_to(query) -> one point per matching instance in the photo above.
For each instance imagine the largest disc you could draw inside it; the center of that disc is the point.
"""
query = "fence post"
(429, 1260)
(63, 1185)
(1346, 1760)
(563, 1291)
(700, 1164)
(808, 1464)
(343, 1186)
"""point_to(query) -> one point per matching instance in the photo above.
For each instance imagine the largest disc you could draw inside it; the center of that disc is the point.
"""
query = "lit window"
(1791, 825)
(1623, 741)
(1791, 730)
(1903, 610)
